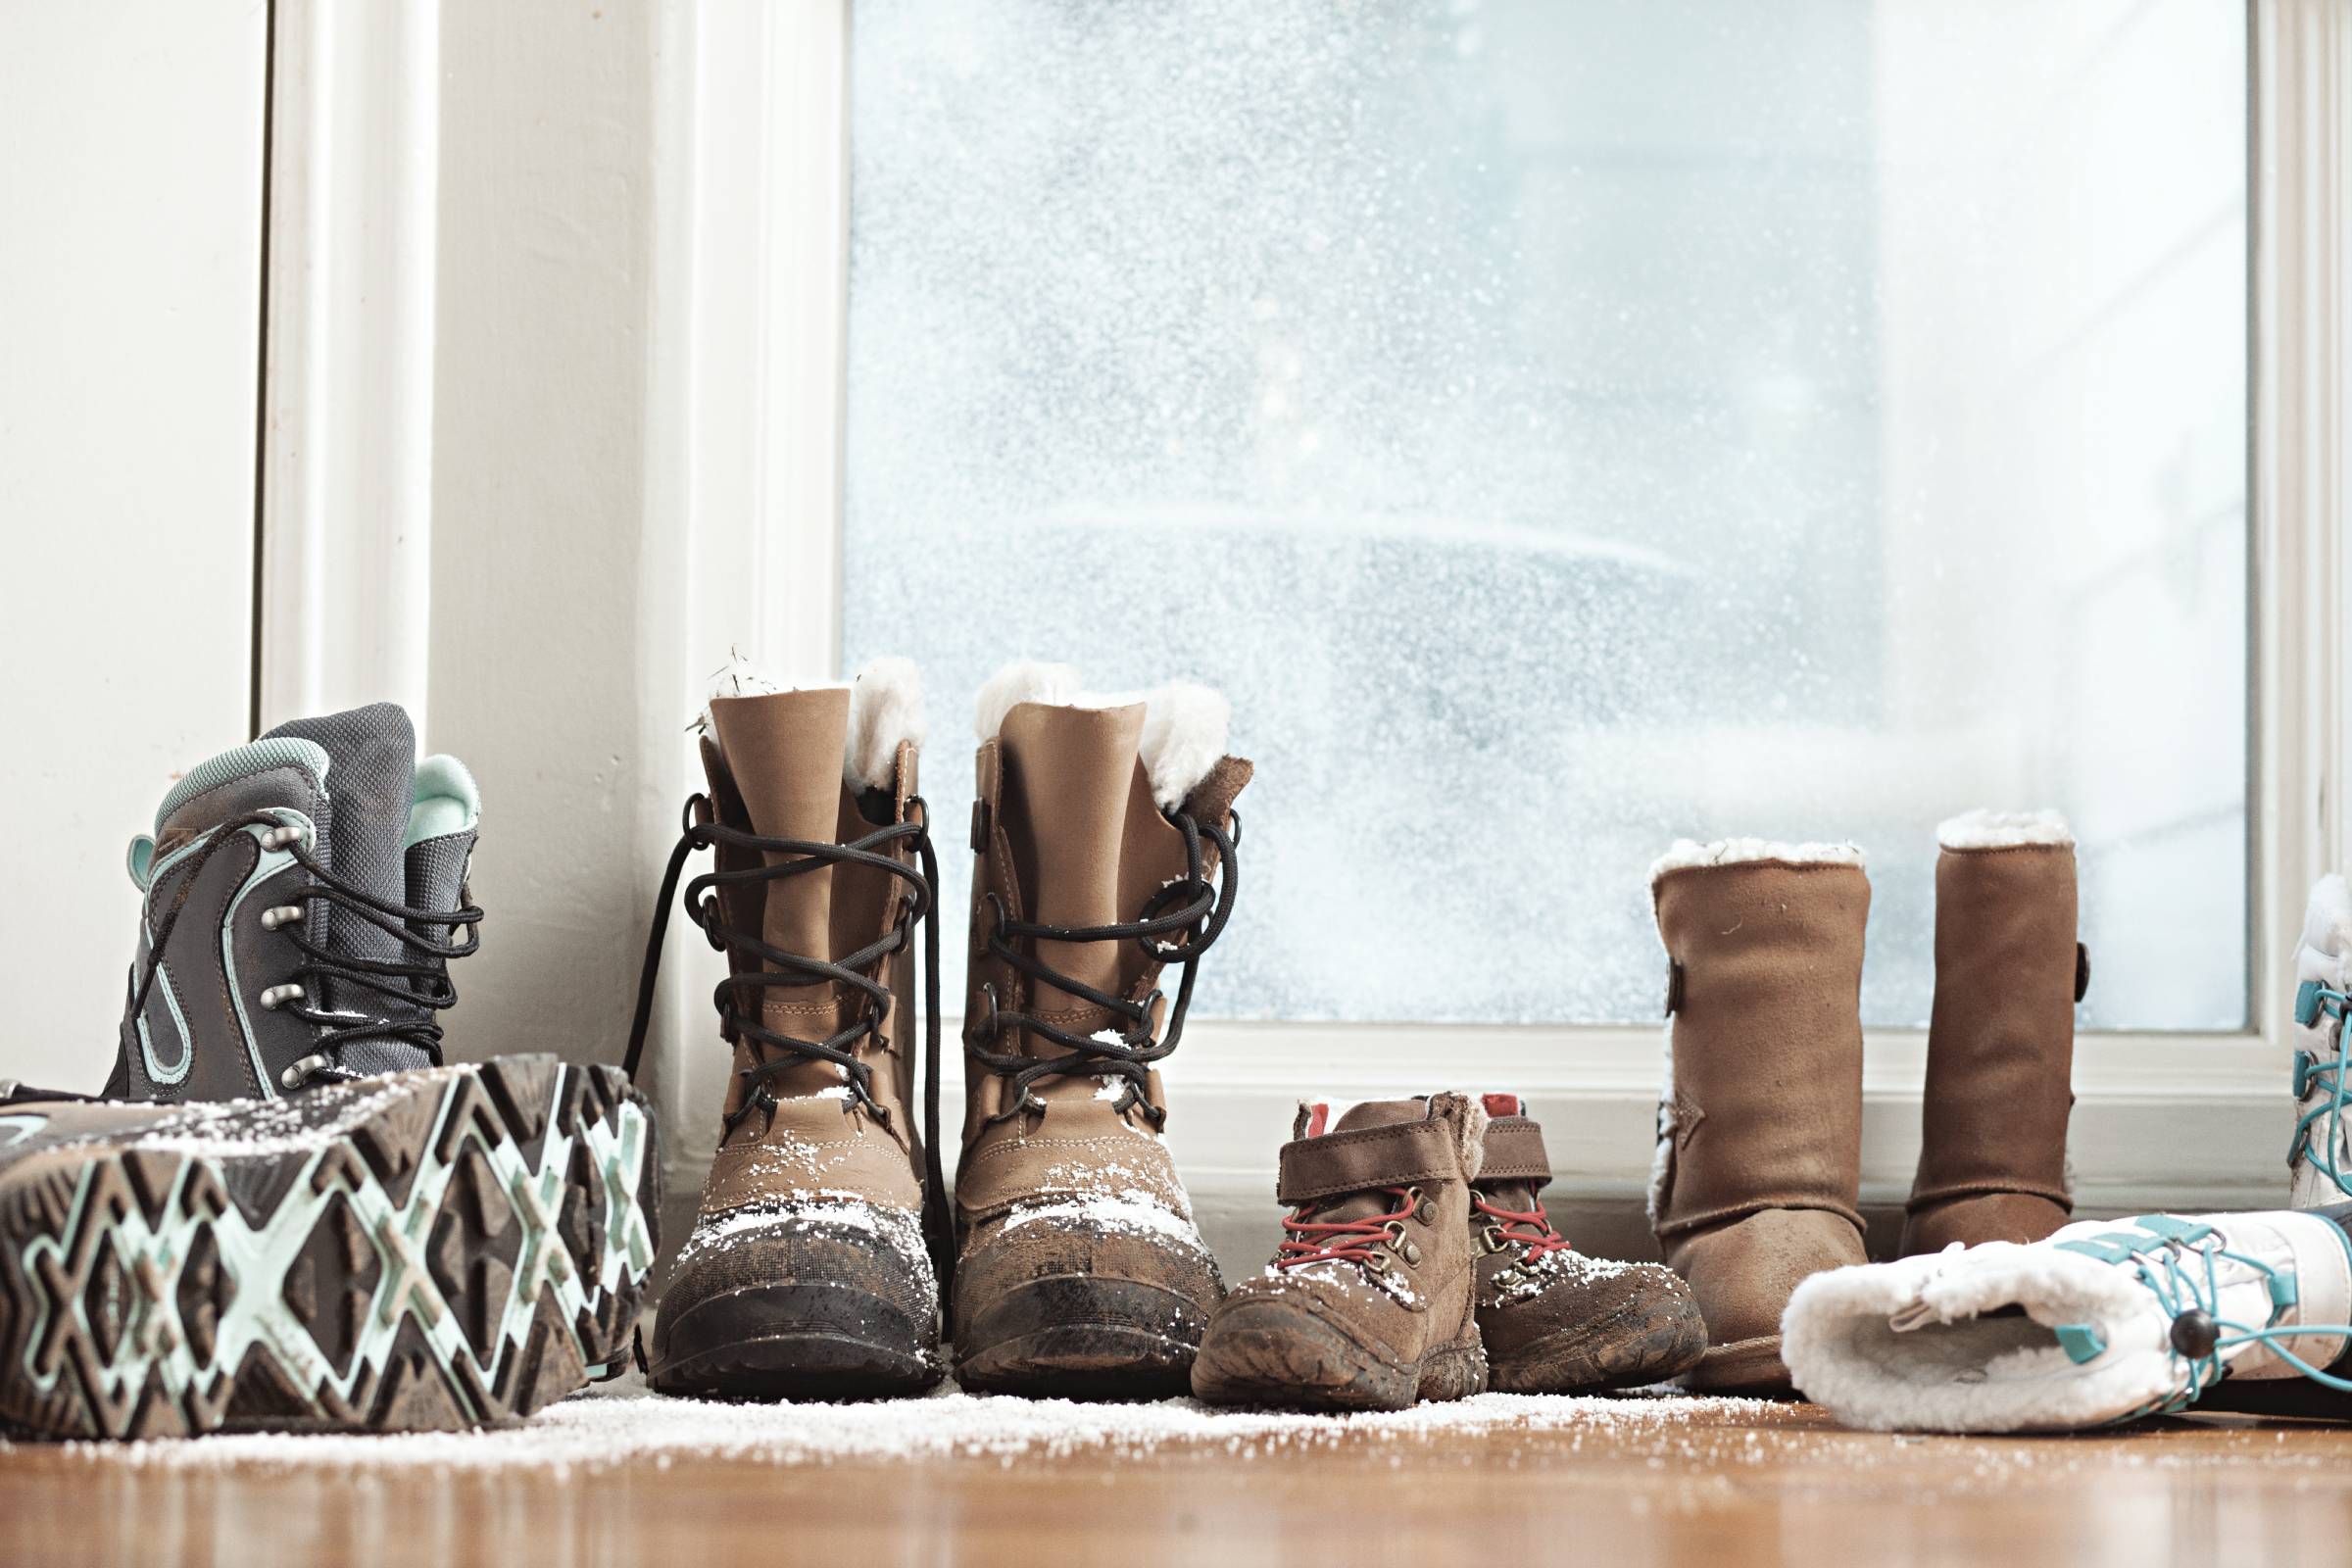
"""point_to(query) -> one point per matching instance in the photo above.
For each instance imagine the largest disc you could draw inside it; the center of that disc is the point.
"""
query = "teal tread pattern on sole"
(453, 1254)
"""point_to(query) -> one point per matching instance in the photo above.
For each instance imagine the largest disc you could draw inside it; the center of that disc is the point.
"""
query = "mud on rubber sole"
(794, 1340)
(1273, 1355)
(433, 1250)
(1082, 1337)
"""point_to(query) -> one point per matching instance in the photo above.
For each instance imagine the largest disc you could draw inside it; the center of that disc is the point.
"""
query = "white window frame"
(744, 430)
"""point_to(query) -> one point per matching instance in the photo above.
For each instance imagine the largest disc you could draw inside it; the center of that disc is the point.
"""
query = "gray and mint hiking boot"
(425, 1250)
(304, 895)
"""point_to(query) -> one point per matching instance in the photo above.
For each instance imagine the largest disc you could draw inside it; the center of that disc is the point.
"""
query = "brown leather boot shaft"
(1071, 837)
(775, 765)
(2001, 1048)
(1758, 1167)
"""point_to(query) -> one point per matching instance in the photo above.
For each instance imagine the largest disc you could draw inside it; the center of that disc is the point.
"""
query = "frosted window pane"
(1565, 426)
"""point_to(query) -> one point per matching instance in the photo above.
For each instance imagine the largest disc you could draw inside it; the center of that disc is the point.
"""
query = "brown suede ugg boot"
(1104, 827)
(1371, 1302)
(1553, 1320)
(2002, 1044)
(1759, 1150)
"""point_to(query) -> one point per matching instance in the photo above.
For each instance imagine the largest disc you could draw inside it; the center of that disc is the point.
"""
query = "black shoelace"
(422, 983)
(738, 996)
(1193, 905)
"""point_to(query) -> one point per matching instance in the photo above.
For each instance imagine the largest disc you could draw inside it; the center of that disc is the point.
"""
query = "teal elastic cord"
(2182, 1273)
(2312, 1002)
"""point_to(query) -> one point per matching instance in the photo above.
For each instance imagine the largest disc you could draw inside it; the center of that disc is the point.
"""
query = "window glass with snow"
(1561, 426)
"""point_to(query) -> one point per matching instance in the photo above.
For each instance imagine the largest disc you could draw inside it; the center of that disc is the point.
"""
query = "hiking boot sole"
(1630, 1350)
(1742, 1366)
(1080, 1336)
(433, 1250)
(1273, 1354)
(807, 1340)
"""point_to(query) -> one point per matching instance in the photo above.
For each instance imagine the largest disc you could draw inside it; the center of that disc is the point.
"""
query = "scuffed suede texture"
(2001, 1048)
(1562, 1322)
(1759, 1182)
(1343, 1334)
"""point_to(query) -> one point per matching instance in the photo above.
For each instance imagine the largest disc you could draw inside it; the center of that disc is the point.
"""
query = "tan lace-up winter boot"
(1102, 828)
(1553, 1320)
(2002, 1044)
(1371, 1302)
(809, 1271)
(1760, 1131)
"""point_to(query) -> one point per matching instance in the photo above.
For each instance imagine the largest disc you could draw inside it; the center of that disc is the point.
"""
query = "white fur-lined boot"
(2105, 1321)
(2320, 1159)
(1106, 833)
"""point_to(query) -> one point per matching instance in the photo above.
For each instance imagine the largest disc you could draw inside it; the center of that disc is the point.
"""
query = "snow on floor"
(622, 1423)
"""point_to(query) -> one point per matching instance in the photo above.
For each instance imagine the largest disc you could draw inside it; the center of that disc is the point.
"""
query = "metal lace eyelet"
(1423, 1209)
(298, 1073)
(1395, 1230)
(272, 997)
(1413, 1252)
(280, 915)
(1490, 1238)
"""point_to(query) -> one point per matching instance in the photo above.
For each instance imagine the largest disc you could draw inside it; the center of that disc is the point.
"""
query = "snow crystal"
(1136, 1210)
(1555, 1268)
(899, 1228)
(621, 1424)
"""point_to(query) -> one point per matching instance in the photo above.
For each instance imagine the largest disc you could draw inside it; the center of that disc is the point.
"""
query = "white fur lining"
(2326, 931)
(886, 709)
(1185, 724)
(1959, 1369)
(1687, 853)
(2002, 830)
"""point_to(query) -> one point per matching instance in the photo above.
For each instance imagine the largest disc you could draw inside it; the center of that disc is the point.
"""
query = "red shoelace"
(1312, 1242)
(1535, 1233)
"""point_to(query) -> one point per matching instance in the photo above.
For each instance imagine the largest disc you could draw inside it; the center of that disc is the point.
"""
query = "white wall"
(131, 259)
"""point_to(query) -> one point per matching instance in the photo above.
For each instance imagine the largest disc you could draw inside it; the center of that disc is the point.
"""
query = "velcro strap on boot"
(1515, 1152)
(1351, 1161)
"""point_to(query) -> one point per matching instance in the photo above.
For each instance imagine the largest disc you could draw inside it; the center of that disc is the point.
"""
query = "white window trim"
(745, 434)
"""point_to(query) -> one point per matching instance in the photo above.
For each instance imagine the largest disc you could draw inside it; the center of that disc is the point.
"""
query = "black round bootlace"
(1193, 905)
(422, 983)
(738, 996)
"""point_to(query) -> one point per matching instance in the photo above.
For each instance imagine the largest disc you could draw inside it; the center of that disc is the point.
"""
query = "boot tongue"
(785, 750)
(370, 782)
(1073, 775)
(1370, 1113)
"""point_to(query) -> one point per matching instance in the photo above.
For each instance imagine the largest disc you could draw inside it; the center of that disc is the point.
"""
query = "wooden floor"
(1757, 1486)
